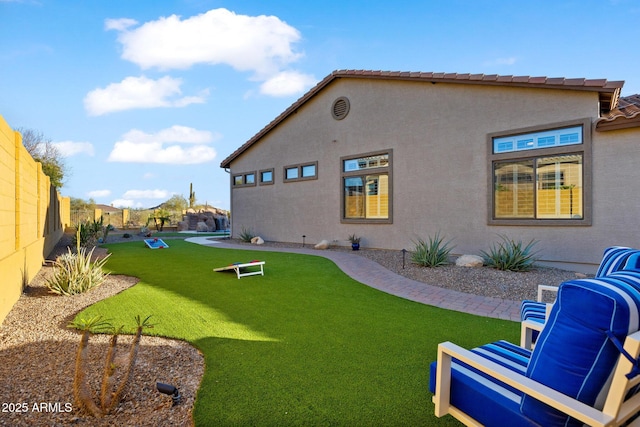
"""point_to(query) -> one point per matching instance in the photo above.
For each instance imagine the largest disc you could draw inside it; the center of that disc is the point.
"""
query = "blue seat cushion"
(573, 353)
(633, 262)
(533, 310)
(485, 399)
(615, 259)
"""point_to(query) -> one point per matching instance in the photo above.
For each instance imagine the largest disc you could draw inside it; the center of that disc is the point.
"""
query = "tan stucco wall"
(31, 215)
(438, 133)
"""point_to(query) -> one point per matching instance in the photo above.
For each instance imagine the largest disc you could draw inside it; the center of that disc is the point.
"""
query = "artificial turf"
(302, 345)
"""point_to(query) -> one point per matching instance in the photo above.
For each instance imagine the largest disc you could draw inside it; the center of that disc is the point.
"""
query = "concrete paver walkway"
(376, 276)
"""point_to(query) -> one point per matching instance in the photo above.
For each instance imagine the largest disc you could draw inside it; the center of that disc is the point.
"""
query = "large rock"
(323, 244)
(202, 226)
(469, 261)
(257, 240)
(183, 225)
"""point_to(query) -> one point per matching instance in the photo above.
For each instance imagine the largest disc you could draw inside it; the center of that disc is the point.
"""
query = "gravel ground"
(38, 364)
(38, 351)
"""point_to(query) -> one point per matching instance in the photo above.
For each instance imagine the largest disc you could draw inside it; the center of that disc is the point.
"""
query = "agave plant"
(511, 255)
(247, 234)
(74, 273)
(431, 253)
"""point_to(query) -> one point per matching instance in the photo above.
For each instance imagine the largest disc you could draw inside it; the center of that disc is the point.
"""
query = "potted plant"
(355, 242)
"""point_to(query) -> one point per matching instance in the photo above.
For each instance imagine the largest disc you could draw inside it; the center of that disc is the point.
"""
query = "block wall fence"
(33, 216)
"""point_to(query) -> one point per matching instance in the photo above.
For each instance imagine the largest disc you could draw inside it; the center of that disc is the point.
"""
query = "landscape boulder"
(257, 240)
(202, 226)
(323, 244)
(469, 261)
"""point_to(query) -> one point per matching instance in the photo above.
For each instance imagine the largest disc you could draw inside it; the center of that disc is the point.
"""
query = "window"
(301, 172)
(266, 177)
(247, 179)
(366, 188)
(541, 176)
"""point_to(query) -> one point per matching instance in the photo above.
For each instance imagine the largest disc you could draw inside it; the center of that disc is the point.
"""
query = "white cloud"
(121, 24)
(247, 43)
(99, 193)
(71, 148)
(139, 92)
(165, 146)
(126, 203)
(287, 83)
(502, 61)
(146, 194)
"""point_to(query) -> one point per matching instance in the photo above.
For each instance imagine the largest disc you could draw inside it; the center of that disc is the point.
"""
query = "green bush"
(431, 253)
(74, 273)
(89, 232)
(511, 255)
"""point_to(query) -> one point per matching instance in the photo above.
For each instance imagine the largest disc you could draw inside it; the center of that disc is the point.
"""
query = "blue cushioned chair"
(583, 369)
(533, 314)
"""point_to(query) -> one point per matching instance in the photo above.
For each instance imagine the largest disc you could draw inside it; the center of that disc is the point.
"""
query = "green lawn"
(303, 345)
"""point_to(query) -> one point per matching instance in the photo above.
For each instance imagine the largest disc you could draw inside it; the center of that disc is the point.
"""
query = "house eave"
(609, 92)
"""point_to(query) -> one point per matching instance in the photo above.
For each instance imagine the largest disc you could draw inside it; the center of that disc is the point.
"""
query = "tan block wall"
(31, 217)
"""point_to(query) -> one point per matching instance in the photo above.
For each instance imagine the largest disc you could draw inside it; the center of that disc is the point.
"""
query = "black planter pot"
(355, 246)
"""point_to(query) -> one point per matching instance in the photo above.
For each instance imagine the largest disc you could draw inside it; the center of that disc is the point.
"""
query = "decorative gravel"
(38, 351)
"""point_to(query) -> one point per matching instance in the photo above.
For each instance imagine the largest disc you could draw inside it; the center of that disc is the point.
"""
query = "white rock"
(257, 240)
(323, 244)
(469, 261)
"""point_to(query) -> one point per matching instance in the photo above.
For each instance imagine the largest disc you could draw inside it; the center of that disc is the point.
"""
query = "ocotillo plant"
(110, 393)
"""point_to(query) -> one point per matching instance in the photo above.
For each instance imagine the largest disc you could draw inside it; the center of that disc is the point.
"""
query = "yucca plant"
(433, 252)
(511, 255)
(74, 273)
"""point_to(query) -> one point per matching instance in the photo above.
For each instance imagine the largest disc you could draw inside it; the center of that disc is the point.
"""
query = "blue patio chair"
(533, 314)
(583, 370)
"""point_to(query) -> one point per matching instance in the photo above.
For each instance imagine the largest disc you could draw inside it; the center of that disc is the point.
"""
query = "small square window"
(301, 172)
(266, 176)
(292, 173)
(308, 171)
(247, 179)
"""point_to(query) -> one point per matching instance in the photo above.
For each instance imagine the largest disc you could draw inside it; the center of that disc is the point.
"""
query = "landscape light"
(170, 390)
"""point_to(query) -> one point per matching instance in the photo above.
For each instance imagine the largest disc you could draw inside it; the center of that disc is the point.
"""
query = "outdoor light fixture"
(303, 237)
(404, 252)
(170, 390)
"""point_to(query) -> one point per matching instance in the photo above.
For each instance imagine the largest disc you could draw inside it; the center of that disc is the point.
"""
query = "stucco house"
(393, 156)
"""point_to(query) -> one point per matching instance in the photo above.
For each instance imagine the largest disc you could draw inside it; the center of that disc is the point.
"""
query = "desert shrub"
(74, 273)
(89, 232)
(511, 255)
(433, 252)
(112, 387)
(246, 234)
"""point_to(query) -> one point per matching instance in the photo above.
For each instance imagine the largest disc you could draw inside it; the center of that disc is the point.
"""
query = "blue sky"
(145, 97)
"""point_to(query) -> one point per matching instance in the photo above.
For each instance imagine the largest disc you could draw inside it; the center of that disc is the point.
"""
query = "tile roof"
(626, 115)
(609, 91)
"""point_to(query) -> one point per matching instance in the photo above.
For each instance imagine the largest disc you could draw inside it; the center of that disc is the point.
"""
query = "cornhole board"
(241, 268)
(155, 243)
